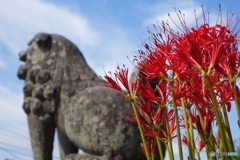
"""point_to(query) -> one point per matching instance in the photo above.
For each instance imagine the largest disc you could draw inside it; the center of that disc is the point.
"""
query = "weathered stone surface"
(22, 56)
(27, 89)
(63, 92)
(35, 106)
(22, 72)
(38, 92)
(26, 105)
(43, 77)
(49, 92)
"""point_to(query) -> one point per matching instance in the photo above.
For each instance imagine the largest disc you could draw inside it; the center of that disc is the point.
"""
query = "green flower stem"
(230, 146)
(226, 120)
(208, 150)
(228, 133)
(169, 149)
(233, 83)
(189, 139)
(141, 131)
(198, 155)
(210, 146)
(212, 142)
(219, 120)
(160, 148)
(191, 130)
(177, 122)
(169, 140)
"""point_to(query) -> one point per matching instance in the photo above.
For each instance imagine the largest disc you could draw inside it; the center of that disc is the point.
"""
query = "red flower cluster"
(196, 68)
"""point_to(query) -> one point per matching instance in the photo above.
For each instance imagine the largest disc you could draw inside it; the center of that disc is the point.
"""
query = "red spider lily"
(199, 91)
(181, 90)
(153, 122)
(143, 119)
(148, 92)
(224, 91)
(202, 98)
(158, 116)
(206, 127)
(112, 83)
(153, 65)
(149, 129)
(199, 126)
(193, 115)
(172, 127)
(122, 76)
(181, 70)
(150, 117)
(197, 65)
(205, 46)
(184, 141)
(238, 92)
(151, 112)
(152, 148)
(146, 110)
(149, 132)
(230, 63)
(199, 144)
(157, 94)
(209, 114)
(135, 86)
(162, 90)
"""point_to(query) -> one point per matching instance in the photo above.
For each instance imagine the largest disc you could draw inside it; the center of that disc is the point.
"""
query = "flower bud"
(199, 126)
(207, 125)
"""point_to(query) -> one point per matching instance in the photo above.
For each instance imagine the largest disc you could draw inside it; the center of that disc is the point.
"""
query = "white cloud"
(2, 65)
(115, 51)
(101, 44)
(21, 20)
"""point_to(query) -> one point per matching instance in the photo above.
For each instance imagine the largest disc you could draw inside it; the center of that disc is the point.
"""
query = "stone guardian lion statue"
(61, 92)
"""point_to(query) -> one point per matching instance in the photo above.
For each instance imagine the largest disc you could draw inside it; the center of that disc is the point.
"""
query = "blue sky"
(106, 31)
